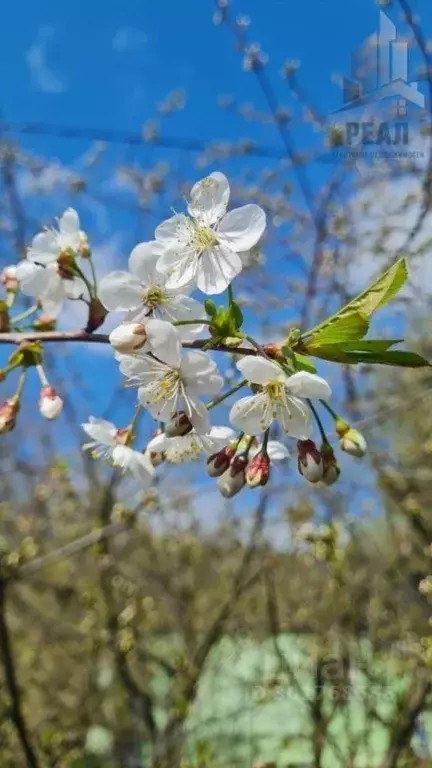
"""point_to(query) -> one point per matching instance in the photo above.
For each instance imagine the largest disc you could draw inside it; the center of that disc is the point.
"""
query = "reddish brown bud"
(310, 461)
(8, 414)
(4, 317)
(219, 462)
(96, 316)
(274, 351)
(331, 467)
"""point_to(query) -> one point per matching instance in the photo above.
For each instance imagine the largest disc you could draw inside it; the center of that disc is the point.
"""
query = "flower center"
(155, 296)
(202, 238)
(275, 390)
(166, 387)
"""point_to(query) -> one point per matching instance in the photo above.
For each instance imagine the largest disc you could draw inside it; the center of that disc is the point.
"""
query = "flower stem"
(191, 322)
(86, 282)
(230, 295)
(21, 382)
(230, 392)
(330, 410)
(24, 315)
(42, 376)
(318, 420)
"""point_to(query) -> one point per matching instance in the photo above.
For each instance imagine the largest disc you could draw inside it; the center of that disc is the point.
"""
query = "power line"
(134, 138)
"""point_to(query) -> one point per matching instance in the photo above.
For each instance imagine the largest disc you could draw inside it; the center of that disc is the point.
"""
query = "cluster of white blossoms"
(163, 347)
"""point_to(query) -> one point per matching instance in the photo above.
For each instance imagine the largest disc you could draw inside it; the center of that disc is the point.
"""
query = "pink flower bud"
(258, 471)
(128, 337)
(9, 279)
(310, 461)
(8, 413)
(219, 462)
(50, 403)
(179, 425)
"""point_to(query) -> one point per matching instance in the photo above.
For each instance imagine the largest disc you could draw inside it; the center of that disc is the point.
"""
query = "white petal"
(216, 439)
(162, 410)
(184, 308)
(295, 419)
(173, 232)
(53, 296)
(216, 269)
(164, 342)
(178, 268)
(137, 463)
(198, 414)
(75, 288)
(44, 248)
(142, 262)
(100, 430)
(120, 291)
(247, 414)
(209, 198)
(158, 443)
(277, 451)
(304, 384)
(242, 227)
(196, 363)
(69, 227)
(259, 370)
(33, 279)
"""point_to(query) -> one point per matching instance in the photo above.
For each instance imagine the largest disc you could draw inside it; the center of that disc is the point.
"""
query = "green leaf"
(210, 307)
(340, 354)
(303, 363)
(340, 328)
(370, 345)
(236, 315)
(351, 322)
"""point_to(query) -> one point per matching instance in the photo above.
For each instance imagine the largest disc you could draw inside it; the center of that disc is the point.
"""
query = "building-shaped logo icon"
(379, 70)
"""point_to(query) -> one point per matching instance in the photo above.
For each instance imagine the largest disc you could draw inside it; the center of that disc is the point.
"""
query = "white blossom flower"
(277, 397)
(170, 379)
(42, 275)
(143, 292)
(204, 247)
(108, 443)
(190, 447)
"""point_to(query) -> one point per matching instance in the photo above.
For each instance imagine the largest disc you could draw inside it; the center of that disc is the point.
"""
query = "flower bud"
(96, 315)
(258, 471)
(179, 425)
(8, 414)
(219, 462)
(310, 461)
(44, 323)
(128, 337)
(50, 403)
(9, 279)
(4, 317)
(354, 443)
(331, 467)
(66, 264)
(229, 485)
(156, 457)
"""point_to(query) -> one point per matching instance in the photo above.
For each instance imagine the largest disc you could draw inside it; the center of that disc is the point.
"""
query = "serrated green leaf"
(341, 327)
(303, 363)
(396, 358)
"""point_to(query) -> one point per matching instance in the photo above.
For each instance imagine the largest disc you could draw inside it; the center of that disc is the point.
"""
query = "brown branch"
(7, 660)
(405, 720)
(103, 338)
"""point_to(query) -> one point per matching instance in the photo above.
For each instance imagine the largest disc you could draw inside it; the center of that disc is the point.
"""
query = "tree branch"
(7, 660)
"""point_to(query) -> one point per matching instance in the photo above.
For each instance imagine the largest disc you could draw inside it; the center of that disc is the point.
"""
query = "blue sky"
(106, 65)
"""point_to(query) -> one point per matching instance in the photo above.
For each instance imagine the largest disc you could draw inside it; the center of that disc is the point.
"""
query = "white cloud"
(43, 76)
